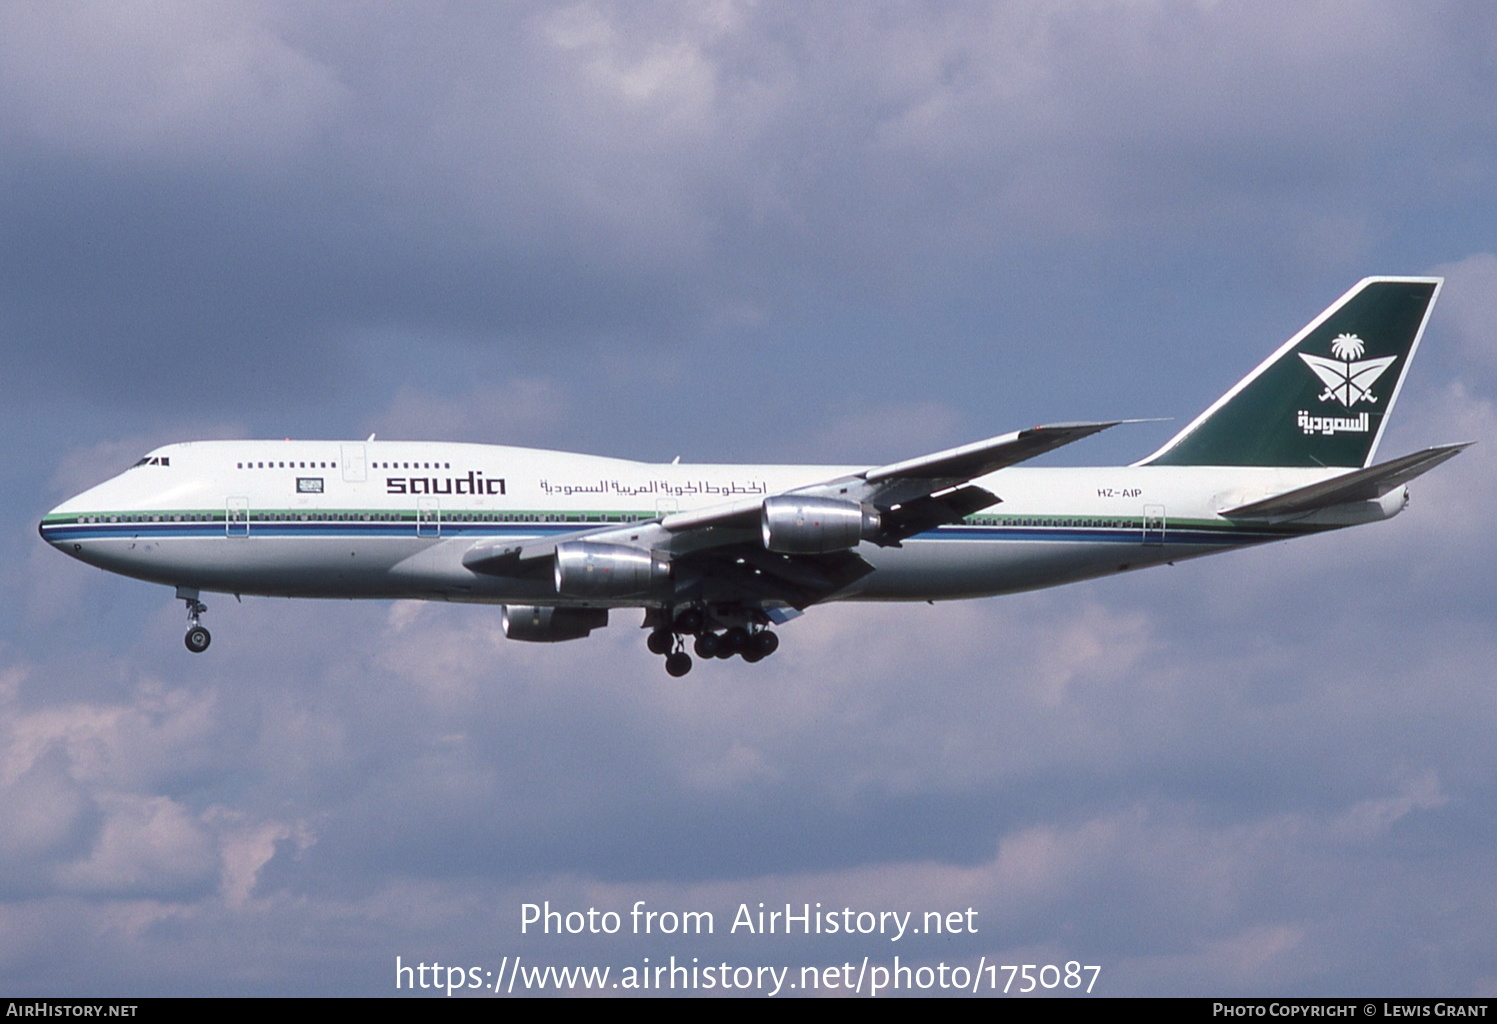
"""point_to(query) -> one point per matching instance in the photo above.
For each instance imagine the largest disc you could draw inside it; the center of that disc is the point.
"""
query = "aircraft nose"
(47, 527)
(59, 528)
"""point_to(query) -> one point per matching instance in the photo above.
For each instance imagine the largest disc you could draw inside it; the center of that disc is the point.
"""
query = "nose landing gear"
(198, 638)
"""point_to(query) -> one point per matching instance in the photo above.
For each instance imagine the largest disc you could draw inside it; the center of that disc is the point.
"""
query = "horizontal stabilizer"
(1361, 485)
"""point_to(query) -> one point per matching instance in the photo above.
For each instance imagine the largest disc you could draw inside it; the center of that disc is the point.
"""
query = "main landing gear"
(751, 641)
(663, 641)
(198, 638)
(677, 661)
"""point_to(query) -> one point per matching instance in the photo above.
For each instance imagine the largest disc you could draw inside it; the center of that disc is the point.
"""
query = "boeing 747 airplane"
(720, 553)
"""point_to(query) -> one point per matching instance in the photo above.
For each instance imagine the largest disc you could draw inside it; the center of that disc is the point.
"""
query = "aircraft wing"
(909, 486)
(722, 547)
(720, 552)
(1360, 485)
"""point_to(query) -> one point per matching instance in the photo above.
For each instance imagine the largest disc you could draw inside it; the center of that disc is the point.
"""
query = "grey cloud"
(169, 84)
(528, 173)
(1469, 307)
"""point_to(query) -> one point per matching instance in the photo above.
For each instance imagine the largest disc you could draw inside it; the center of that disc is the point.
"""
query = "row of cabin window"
(176, 517)
(282, 465)
(316, 465)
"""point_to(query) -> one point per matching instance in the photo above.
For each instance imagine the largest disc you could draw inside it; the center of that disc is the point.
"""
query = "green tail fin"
(1324, 397)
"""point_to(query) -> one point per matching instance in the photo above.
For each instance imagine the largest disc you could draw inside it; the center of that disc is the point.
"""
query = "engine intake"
(816, 526)
(546, 625)
(586, 569)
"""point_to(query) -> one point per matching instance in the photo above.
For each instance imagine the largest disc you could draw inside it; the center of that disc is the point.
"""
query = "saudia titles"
(474, 483)
(1348, 380)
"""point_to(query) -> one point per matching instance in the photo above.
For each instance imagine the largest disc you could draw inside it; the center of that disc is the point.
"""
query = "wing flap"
(1359, 485)
(750, 573)
(931, 511)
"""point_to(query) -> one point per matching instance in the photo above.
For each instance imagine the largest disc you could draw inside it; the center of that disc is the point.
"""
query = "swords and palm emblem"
(1346, 379)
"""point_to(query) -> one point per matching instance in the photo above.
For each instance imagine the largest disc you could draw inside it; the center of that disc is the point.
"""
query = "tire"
(197, 639)
(707, 645)
(734, 641)
(660, 642)
(678, 664)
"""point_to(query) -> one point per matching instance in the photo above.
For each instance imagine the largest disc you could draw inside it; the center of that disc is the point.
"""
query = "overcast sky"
(767, 232)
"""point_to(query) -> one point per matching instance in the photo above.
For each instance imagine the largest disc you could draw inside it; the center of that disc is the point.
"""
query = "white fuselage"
(392, 519)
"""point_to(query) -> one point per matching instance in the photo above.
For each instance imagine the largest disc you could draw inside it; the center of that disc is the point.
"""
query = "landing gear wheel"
(764, 643)
(660, 642)
(678, 664)
(198, 638)
(690, 621)
(734, 641)
(707, 645)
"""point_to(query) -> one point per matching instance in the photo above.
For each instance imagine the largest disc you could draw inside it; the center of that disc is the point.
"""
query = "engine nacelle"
(546, 625)
(586, 569)
(815, 526)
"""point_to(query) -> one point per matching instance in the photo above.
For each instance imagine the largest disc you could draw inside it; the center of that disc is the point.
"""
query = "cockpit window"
(156, 460)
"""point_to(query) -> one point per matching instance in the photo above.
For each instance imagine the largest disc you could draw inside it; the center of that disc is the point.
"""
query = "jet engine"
(815, 526)
(586, 569)
(546, 625)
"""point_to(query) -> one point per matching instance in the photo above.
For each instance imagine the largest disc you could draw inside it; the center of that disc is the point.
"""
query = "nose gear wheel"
(198, 638)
